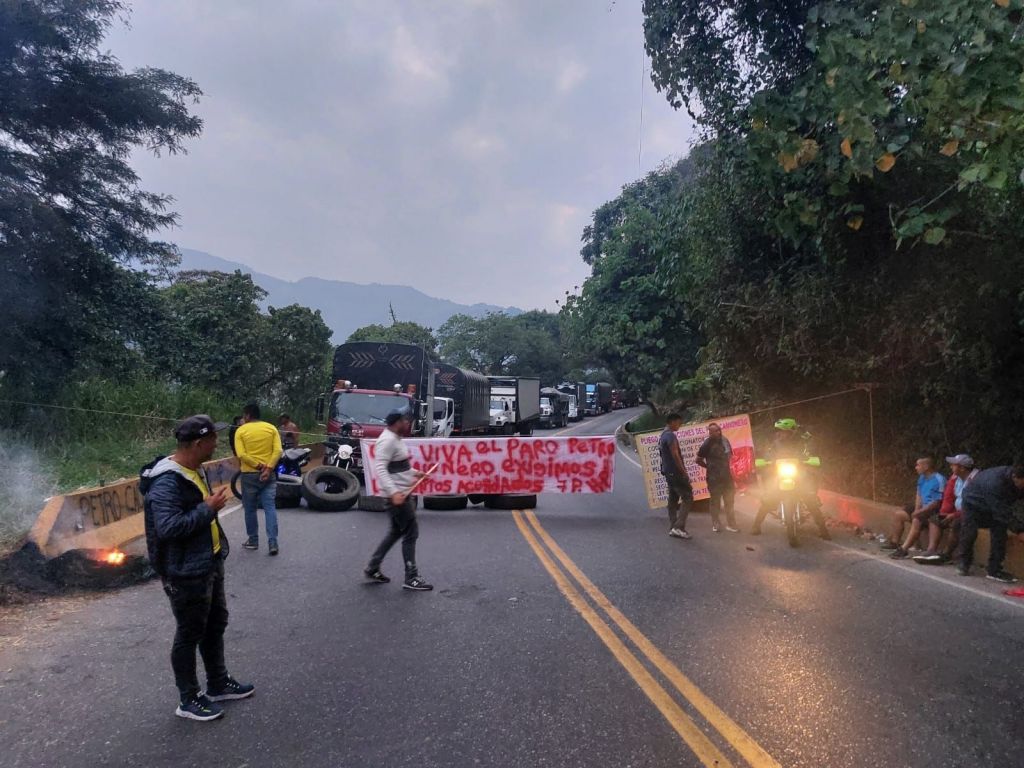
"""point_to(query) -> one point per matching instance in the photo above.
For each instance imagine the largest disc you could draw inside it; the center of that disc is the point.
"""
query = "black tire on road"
(478, 498)
(512, 501)
(379, 503)
(446, 502)
(289, 492)
(527, 429)
(330, 489)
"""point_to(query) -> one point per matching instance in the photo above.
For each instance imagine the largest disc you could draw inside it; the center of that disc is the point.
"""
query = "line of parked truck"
(372, 379)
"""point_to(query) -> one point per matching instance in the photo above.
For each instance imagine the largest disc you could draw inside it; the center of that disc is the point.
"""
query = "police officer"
(791, 442)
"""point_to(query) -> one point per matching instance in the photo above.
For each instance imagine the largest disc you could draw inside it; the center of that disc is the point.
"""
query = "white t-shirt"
(391, 448)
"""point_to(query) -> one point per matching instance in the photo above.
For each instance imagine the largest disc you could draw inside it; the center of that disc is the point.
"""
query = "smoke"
(23, 489)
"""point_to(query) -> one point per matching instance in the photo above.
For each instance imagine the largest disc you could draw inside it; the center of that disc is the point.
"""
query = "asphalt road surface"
(579, 636)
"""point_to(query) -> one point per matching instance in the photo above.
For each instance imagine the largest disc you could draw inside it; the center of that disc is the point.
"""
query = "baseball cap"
(395, 416)
(962, 459)
(195, 427)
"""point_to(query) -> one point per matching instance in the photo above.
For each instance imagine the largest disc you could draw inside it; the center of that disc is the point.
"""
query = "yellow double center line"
(708, 753)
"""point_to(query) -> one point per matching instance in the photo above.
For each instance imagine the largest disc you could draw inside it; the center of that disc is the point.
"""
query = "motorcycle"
(341, 455)
(789, 482)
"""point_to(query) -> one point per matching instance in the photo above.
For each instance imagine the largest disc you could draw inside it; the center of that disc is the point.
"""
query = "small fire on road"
(115, 557)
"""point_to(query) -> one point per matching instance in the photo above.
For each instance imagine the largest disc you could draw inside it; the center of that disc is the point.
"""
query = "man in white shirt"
(397, 477)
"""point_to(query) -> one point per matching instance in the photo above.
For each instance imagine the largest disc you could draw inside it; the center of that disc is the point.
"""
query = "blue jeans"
(259, 494)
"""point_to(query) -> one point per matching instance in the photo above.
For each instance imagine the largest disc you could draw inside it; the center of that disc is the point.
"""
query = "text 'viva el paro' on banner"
(508, 465)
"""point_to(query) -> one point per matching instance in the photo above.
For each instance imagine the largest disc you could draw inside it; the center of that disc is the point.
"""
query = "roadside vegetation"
(851, 216)
(104, 345)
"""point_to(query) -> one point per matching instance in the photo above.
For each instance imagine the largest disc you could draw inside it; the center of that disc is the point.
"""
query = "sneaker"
(676, 533)
(251, 543)
(731, 529)
(229, 689)
(684, 534)
(1003, 576)
(715, 529)
(417, 584)
(898, 554)
(199, 707)
(374, 574)
(889, 545)
(273, 547)
(928, 558)
(963, 570)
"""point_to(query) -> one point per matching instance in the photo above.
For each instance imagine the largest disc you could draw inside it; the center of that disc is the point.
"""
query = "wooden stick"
(426, 474)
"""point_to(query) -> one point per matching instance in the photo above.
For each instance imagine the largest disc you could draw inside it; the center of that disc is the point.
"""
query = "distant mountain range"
(347, 306)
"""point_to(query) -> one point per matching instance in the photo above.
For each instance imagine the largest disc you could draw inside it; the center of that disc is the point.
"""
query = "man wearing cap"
(187, 548)
(259, 449)
(950, 514)
(396, 477)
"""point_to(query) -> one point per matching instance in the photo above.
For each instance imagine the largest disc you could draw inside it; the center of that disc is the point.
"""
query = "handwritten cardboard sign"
(508, 465)
(736, 429)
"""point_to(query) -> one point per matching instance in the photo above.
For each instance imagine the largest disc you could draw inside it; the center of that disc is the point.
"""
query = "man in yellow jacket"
(258, 444)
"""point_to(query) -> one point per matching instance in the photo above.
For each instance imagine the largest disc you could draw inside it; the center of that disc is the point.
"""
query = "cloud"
(431, 144)
(573, 73)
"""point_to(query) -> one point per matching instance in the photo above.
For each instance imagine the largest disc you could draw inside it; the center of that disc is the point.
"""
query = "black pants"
(404, 527)
(973, 520)
(201, 612)
(680, 499)
(723, 497)
(770, 502)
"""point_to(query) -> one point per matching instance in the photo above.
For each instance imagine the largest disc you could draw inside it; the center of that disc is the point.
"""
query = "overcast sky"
(458, 146)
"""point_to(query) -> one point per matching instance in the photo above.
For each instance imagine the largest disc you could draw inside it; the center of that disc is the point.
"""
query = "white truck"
(503, 415)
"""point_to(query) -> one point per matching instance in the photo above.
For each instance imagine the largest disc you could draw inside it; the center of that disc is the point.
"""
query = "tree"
(485, 344)
(212, 333)
(401, 332)
(498, 344)
(72, 216)
(627, 316)
(714, 56)
(296, 346)
(900, 113)
(214, 336)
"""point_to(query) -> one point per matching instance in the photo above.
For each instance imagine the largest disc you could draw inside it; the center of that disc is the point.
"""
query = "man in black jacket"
(988, 502)
(187, 548)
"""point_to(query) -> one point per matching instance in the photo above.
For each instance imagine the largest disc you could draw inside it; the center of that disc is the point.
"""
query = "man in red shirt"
(949, 516)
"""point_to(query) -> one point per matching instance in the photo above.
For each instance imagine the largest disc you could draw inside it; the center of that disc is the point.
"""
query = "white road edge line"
(903, 567)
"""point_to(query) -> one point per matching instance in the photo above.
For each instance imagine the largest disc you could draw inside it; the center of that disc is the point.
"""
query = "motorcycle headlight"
(787, 470)
(345, 451)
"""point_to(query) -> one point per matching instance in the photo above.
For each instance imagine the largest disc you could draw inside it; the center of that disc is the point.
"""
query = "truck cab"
(503, 415)
(574, 409)
(444, 416)
(356, 413)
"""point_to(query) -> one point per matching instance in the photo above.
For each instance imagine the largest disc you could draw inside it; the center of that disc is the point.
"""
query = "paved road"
(581, 636)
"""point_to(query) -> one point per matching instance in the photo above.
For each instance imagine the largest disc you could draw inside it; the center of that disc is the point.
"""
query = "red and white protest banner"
(507, 465)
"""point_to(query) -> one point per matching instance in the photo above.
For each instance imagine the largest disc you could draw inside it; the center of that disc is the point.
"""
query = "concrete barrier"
(877, 517)
(110, 516)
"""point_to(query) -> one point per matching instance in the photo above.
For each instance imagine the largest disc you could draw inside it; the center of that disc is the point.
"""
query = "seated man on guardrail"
(946, 522)
(187, 548)
(927, 500)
